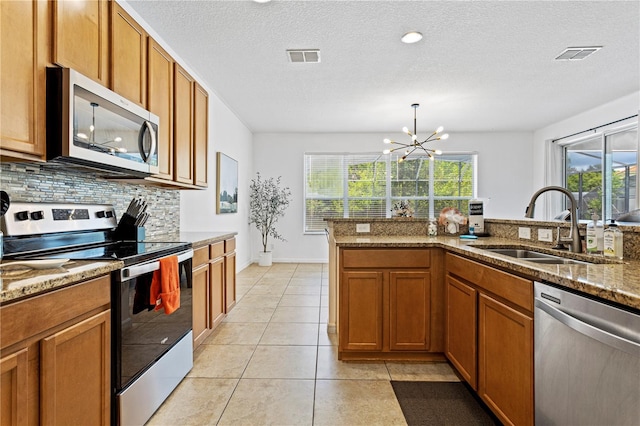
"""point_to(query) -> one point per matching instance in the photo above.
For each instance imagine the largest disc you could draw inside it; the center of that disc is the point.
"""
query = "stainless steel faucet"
(574, 234)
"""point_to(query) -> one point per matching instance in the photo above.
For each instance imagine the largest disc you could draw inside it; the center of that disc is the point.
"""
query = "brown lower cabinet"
(213, 287)
(55, 357)
(390, 304)
(489, 336)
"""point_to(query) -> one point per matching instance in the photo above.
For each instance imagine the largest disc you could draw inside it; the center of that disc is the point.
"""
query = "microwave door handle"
(146, 127)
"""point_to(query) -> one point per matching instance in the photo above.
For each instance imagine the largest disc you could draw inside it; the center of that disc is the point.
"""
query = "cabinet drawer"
(216, 250)
(386, 258)
(21, 320)
(200, 256)
(229, 245)
(511, 287)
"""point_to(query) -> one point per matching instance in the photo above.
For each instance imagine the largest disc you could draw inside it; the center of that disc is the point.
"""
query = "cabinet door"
(128, 56)
(200, 294)
(23, 35)
(217, 292)
(361, 297)
(505, 361)
(76, 373)
(200, 135)
(409, 311)
(230, 280)
(182, 126)
(160, 102)
(14, 388)
(460, 328)
(80, 37)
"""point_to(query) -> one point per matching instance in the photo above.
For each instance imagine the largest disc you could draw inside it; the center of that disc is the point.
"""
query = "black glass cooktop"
(127, 251)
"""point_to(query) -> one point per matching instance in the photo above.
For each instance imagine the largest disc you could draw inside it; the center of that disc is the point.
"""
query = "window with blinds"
(368, 185)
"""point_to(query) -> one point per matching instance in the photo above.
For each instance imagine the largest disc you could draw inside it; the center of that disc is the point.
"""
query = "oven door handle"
(131, 272)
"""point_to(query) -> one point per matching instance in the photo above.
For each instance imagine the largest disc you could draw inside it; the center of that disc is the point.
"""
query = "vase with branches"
(267, 202)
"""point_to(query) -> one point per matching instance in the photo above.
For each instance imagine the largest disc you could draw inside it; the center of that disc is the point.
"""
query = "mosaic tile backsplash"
(33, 182)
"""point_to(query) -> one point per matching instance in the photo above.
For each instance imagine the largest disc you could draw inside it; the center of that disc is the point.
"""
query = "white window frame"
(600, 134)
(388, 196)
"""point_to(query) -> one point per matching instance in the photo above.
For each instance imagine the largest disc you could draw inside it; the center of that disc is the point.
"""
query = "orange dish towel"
(165, 286)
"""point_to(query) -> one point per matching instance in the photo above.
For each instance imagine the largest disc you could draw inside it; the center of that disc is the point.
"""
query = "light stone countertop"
(203, 238)
(617, 282)
(20, 283)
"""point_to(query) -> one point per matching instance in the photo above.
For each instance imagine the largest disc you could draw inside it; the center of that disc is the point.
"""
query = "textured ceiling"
(481, 66)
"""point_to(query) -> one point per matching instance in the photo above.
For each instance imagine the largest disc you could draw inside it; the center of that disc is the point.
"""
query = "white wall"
(229, 135)
(504, 169)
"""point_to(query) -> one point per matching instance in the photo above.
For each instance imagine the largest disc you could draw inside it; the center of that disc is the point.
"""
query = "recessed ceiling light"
(262, 1)
(577, 53)
(411, 37)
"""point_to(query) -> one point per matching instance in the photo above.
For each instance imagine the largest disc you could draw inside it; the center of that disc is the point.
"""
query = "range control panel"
(24, 218)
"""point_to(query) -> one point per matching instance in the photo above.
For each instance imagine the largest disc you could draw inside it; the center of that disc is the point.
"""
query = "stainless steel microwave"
(91, 126)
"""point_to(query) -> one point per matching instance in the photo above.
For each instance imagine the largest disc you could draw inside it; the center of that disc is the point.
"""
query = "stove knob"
(37, 215)
(101, 214)
(109, 213)
(21, 216)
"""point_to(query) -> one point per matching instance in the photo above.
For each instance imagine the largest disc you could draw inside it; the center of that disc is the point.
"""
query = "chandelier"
(410, 148)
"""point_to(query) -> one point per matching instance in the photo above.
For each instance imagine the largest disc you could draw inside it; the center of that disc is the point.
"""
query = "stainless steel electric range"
(151, 351)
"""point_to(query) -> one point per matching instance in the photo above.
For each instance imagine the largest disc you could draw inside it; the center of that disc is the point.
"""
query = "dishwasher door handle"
(589, 330)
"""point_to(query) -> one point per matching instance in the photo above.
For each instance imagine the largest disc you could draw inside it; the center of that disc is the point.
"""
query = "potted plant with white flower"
(267, 203)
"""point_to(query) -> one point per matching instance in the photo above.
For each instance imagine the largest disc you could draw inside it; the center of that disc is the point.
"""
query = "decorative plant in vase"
(268, 201)
(402, 209)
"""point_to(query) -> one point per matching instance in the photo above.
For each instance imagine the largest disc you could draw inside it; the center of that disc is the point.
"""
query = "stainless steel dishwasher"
(587, 361)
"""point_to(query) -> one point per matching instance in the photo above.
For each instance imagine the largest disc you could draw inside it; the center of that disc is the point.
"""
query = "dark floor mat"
(441, 403)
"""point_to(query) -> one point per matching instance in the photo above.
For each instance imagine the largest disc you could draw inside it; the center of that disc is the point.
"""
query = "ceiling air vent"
(577, 53)
(304, 55)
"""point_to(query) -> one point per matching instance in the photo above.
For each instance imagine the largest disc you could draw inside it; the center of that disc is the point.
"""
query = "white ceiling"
(482, 65)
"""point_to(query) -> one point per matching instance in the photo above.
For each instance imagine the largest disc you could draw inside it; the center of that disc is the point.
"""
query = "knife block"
(128, 231)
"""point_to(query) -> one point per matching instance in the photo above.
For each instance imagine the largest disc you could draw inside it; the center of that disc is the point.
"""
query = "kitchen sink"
(536, 257)
(559, 261)
(520, 253)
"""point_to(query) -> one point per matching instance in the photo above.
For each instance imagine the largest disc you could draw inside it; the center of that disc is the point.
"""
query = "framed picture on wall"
(226, 184)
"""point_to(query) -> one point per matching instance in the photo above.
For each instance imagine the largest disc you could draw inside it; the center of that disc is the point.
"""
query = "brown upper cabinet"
(201, 135)
(24, 47)
(183, 126)
(99, 39)
(81, 37)
(128, 56)
(160, 102)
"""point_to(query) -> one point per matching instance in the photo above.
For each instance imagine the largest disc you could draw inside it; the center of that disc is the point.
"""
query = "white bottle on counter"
(595, 235)
(599, 234)
(613, 241)
(476, 215)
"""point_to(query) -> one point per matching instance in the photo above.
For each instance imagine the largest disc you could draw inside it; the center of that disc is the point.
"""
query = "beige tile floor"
(272, 362)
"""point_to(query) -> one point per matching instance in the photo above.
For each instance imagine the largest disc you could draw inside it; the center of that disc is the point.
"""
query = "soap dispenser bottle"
(595, 235)
(613, 241)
